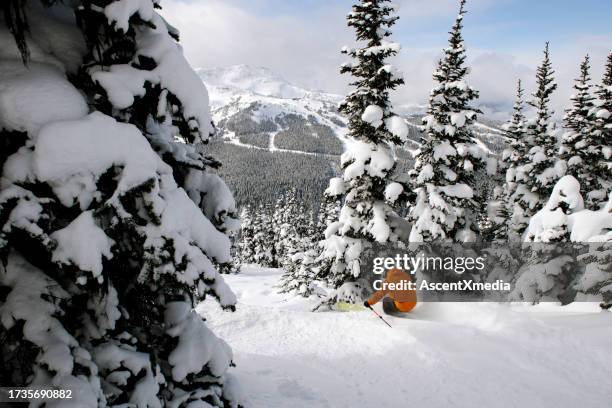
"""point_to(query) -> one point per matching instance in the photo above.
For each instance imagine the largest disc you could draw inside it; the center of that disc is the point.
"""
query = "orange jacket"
(399, 296)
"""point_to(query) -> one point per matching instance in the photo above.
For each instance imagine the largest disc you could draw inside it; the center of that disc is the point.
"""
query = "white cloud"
(427, 8)
(306, 50)
(220, 33)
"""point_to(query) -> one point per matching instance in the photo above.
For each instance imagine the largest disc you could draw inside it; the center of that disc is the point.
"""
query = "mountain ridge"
(282, 136)
(253, 106)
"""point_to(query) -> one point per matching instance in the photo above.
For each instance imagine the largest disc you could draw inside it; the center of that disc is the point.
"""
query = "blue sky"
(300, 39)
(501, 24)
(508, 25)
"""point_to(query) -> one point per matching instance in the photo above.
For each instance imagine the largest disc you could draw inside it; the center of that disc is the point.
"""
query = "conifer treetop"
(604, 90)
(582, 100)
(607, 78)
(515, 130)
(449, 158)
(545, 87)
(515, 127)
(449, 100)
(374, 77)
(369, 18)
(451, 67)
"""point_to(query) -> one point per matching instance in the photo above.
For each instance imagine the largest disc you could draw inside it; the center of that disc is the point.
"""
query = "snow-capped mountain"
(256, 107)
(244, 78)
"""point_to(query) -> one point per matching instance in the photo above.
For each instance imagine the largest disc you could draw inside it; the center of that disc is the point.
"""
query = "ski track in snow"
(272, 148)
(441, 355)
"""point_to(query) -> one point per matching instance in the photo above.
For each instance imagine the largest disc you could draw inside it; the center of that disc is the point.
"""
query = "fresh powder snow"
(440, 355)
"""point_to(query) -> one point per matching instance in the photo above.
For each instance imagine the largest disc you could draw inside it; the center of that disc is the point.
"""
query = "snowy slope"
(255, 107)
(252, 106)
(488, 134)
(443, 355)
(239, 79)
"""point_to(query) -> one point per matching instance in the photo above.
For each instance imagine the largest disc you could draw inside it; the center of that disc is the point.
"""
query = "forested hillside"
(279, 136)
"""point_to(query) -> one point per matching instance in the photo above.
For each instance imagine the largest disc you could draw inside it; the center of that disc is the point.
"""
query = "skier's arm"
(393, 276)
(377, 296)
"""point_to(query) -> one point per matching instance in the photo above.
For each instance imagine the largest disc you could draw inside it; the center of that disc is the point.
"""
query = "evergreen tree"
(289, 217)
(328, 213)
(538, 175)
(310, 264)
(550, 267)
(513, 158)
(447, 202)
(302, 270)
(306, 232)
(373, 130)
(246, 244)
(111, 221)
(302, 266)
(597, 276)
(593, 229)
(232, 266)
(504, 254)
(600, 148)
(264, 237)
(577, 148)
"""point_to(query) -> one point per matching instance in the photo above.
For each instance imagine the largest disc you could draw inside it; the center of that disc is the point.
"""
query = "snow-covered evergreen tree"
(597, 277)
(309, 263)
(373, 130)
(601, 144)
(537, 177)
(300, 273)
(302, 265)
(447, 202)
(246, 243)
(551, 223)
(550, 268)
(232, 266)
(307, 230)
(503, 255)
(594, 228)
(578, 143)
(111, 221)
(303, 262)
(569, 249)
(264, 238)
(328, 213)
(513, 158)
(288, 219)
(271, 236)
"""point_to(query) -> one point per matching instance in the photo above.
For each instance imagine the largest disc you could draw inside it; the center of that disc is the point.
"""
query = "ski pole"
(379, 316)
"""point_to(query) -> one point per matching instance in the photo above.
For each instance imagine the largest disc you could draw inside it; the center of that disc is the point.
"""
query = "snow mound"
(87, 253)
(33, 96)
(93, 145)
(373, 115)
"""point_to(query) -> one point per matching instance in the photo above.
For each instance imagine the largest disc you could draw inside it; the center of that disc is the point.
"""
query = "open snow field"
(442, 355)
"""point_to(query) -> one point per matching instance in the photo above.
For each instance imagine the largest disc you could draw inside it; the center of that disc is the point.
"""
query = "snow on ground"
(441, 355)
(233, 139)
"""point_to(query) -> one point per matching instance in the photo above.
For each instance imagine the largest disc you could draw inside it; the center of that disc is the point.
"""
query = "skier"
(400, 300)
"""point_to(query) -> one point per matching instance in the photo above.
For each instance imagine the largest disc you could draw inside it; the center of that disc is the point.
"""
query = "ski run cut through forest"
(173, 237)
